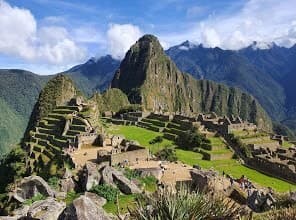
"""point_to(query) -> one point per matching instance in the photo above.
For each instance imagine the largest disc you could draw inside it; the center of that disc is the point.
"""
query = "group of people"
(244, 183)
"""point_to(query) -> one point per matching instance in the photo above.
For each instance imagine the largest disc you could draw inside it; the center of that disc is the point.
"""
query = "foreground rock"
(91, 175)
(30, 187)
(85, 207)
(114, 177)
(260, 201)
(48, 209)
(209, 180)
(67, 183)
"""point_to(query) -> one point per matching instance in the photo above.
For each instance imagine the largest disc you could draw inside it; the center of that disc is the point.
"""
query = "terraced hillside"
(172, 128)
(51, 136)
(216, 149)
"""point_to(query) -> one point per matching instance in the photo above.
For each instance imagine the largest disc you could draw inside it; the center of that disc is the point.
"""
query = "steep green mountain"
(279, 62)
(150, 78)
(94, 75)
(19, 90)
(233, 69)
(111, 100)
(12, 127)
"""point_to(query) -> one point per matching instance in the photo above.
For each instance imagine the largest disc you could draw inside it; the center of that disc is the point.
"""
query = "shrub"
(190, 140)
(149, 183)
(156, 140)
(35, 198)
(281, 214)
(183, 204)
(131, 174)
(71, 196)
(168, 154)
(108, 192)
(53, 182)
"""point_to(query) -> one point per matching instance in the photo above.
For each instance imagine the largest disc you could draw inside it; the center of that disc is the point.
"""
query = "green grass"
(220, 151)
(125, 201)
(149, 182)
(216, 141)
(287, 144)
(229, 166)
(71, 196)
(235, 169)
(142, 135)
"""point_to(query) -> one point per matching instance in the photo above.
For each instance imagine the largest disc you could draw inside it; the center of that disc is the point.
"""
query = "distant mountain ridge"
(268, 74)
(94, 75)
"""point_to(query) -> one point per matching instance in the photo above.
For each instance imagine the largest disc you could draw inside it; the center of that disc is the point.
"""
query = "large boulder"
(84, 208)
(207, 180)
(107, 177)
(91, 175)
(30, 187)
(99, 201)
(48, 209)
(114, 177)
(67, 185)
(260, 201)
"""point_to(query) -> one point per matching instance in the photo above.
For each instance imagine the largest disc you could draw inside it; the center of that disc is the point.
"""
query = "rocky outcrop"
(31, 186)
(116, 178)
(67, 183)
(85, 207)
(48, 209)
(260, 201)
(91, 175)
(99, 201)
(209, 180)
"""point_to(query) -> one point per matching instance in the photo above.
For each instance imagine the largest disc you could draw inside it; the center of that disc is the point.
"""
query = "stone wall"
(130, 156)
(283, 171)
(91, 139)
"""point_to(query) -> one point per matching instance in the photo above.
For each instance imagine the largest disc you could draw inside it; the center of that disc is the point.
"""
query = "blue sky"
(49, 36)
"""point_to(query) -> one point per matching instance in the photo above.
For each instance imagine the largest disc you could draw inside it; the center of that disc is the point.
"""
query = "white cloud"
(121, 37)
(257, 20)
(20, 36)
(210, 38)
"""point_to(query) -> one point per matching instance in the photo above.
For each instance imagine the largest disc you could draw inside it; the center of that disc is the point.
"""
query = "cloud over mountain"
(121, 37)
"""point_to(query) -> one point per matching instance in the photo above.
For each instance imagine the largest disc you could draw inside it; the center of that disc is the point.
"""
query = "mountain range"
(267, 74)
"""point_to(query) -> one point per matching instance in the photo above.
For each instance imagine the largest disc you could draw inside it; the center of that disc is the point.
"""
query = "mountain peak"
(260, 45)
(187, 45)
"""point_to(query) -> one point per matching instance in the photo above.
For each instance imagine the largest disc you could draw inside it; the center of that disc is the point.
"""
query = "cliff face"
(150, 78)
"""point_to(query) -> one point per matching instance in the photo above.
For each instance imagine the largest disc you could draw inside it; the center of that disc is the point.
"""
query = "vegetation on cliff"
(111, 100)
(19, 90)
(12, 127)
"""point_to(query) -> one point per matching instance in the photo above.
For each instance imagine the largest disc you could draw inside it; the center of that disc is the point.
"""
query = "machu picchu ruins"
(155, 134)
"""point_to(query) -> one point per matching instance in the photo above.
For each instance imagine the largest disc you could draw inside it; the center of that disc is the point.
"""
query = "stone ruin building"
(123, 152)
(280, 162)
(224, 125)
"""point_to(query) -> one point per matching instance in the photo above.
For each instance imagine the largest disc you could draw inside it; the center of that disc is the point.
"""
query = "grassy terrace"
(142, 135)
(229, 166)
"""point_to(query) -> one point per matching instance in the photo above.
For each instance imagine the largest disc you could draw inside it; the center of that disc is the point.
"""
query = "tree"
(168, 154)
